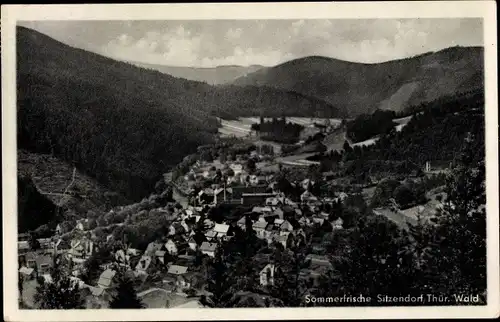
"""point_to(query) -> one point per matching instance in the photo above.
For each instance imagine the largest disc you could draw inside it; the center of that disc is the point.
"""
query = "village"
(169, 271)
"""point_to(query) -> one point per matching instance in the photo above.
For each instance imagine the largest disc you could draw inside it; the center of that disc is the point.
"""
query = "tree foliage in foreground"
(125, 296)
(60, 293)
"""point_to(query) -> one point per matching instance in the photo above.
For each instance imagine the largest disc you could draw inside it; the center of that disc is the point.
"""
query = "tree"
(251, 166)
(92, 266)
(222, 157)
(404, 196)
(219, 284)
(125, 295)
(34, 244)
(60, 293)
(289, 287)
(454, 260)
(347, 147)
(383, 192)
(369, 260)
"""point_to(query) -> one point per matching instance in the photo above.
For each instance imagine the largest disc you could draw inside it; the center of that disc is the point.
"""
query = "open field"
(367, 142)
(242, 126)
(297, 160)
(402, 122)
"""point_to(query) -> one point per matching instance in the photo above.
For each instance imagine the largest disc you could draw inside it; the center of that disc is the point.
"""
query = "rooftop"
(210, 247)
(177, 269)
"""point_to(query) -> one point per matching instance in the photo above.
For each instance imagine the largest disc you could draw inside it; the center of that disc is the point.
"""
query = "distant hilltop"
(211, 75)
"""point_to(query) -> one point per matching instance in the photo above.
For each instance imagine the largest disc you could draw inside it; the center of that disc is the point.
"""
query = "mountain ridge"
(360, 88)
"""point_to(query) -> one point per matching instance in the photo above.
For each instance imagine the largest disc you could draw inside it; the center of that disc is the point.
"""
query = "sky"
(210, 43)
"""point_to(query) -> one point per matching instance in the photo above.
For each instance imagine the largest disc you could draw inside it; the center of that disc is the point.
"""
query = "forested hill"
(362, 88)
(111, 120)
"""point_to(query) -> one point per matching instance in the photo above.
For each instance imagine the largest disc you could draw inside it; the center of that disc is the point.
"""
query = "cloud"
(209, 43)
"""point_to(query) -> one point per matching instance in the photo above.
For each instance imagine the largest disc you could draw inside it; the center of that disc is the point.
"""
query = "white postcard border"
(422, 9)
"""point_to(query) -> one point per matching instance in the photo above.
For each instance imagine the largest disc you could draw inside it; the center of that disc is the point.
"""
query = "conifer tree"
(218, 282)
(125, 295)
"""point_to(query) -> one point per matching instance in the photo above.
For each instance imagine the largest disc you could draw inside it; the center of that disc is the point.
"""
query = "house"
(267, 275)
(121, 257)
(106, 279)
(75, 281)
(82, 224)
(242, 222)
(171, 247)
(208, 248)
(341, 196)
(208, 223)
(186, 260)
(45, 243)
(318, 220)
(178, 228)
(279, 212)
(208, 174)
(306, 183)
(338, 223)
(328, 175)
(236, 167)
(319, 264)
(23, 247)
(274, 201)
(221, 230)
(286, 226)
(143, 264)
(278, 222)
(205, 196)
(308, 197)
(133, 252)
(177, 270)
(260, 226)
(81, 248)
(249, 199)
(261, 210)
(305, 221)
(27, 273)
(47, 279)
(192, 243)
(186, 281)
(62, 246)
(274, 186)
(309, 131)
(239, 191)
(257, 180)
(160, 255)
(236, 179)
(324, 214)
(281, 239)
(269, 231)
(152, 248)
(222, 195)
(210, 235)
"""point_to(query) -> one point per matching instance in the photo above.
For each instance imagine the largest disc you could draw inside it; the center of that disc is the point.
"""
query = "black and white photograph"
(214, 161)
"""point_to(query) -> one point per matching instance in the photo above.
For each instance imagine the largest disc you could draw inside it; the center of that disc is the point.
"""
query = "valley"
(245, 186)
